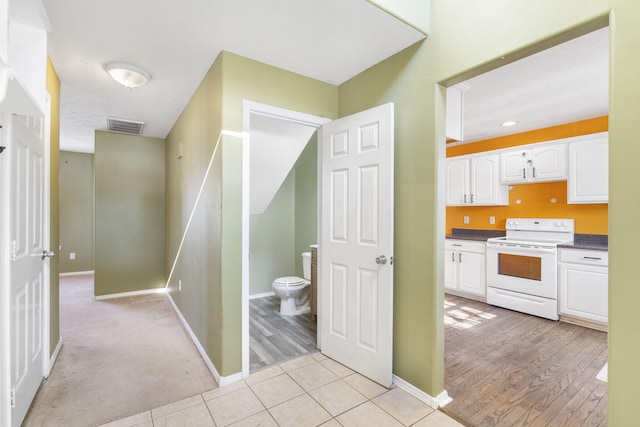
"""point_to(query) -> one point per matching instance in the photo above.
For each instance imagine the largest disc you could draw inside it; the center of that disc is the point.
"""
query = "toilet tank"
(306, 265)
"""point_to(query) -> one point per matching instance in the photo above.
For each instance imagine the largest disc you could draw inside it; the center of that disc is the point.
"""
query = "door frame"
(5, 265)
(249, 108)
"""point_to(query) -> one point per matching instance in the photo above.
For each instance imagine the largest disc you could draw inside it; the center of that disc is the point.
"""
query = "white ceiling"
(563, 84)
(177, 41)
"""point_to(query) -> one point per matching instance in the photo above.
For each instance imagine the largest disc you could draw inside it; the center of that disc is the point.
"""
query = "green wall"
(272, 239)
(306, 170)
(76, 211)
(129, 213)
(53, 89)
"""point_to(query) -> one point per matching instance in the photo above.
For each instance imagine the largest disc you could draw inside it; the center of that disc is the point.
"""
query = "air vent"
(129, 127)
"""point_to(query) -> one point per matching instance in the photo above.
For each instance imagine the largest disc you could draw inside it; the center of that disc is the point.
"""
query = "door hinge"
(13, 396)
(14, 250)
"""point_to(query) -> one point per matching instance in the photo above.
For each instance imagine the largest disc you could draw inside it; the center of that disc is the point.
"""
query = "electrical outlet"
(72, 255)
(492, 220)
(466, 219)
(180, 285)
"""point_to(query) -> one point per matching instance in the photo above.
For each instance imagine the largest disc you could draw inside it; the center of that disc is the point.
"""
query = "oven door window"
(524, 267)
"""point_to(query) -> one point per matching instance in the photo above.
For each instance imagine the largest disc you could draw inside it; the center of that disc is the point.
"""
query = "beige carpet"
(119, 357)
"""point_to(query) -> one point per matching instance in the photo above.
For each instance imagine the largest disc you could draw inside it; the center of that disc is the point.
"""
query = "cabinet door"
(589, 171)
(485, 186)
(583, 291)
(548, 163)
(457, 184)
(513, 166)
(450, 267)
(471, 273)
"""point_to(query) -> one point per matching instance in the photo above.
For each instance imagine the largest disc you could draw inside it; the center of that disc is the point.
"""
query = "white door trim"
(5, 353)
(46, 272)
(248, 108)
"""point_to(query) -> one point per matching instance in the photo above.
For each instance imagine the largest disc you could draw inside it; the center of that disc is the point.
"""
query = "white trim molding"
(220, 380)
(54, 357)
(130, 294)
(439, 401)
(262, 295)
(77, 273)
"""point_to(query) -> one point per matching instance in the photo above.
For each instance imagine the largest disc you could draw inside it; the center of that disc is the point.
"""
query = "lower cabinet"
(583, 285)
(465, 268)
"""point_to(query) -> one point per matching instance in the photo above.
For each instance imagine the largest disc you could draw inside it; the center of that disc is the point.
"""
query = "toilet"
(294, 291)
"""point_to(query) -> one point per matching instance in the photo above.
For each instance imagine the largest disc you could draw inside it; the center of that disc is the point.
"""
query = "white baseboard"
(435, 402)
(77, 273)
(220, 380)
(262, 295)
(54, 356)
(131, 294)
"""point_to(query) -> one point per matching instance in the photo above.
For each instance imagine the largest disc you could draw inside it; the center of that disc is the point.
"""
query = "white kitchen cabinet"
(474, 181)
(583, 285)
(465, 268)
(588, 180)
(534, 164)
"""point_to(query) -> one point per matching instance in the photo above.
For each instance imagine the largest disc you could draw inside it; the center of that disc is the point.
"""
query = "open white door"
(26, 289)
(356, 242)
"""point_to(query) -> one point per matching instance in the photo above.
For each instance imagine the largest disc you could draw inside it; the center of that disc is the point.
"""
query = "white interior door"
(356, 242)
(26, 287)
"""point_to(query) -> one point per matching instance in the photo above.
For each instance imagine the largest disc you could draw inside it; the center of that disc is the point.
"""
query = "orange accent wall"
(535, 200)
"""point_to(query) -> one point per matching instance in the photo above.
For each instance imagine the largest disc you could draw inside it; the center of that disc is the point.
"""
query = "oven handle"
(518, 248)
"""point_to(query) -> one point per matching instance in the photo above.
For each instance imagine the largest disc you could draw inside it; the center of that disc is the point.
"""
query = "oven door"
(526, 269)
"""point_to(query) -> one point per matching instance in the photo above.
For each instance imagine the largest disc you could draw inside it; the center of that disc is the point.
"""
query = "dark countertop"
(474, 234)
(593, 242)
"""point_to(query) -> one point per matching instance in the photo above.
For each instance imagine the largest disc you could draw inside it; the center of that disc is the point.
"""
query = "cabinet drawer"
(465, 245)
(582, 256)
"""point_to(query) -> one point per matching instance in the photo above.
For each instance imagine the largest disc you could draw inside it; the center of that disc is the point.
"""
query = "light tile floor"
(308, 391)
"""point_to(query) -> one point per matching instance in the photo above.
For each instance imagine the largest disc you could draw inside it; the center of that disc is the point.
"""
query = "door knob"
(48, 254)
(381, 260)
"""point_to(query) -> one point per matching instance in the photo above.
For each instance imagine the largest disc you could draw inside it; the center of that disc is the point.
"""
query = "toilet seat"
(290, 281)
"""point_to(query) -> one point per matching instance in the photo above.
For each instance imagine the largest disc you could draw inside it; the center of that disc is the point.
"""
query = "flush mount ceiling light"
(127, 75)
(509, 123)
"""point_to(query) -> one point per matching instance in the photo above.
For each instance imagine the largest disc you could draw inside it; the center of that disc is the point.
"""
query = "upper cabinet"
(23, 56)
(537, 164)
(588, 180)
(473, 181)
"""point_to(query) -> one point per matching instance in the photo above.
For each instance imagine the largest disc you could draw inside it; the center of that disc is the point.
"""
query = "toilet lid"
(291, 280)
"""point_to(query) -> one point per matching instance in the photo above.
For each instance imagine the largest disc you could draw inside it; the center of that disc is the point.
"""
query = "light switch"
(72, 255)
(492, 220)
(466, 219)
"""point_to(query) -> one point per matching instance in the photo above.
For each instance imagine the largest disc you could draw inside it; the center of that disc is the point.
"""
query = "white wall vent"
(130, 127)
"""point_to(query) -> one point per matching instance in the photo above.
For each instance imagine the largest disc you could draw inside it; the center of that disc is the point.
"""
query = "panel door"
(26, 277)
(549, 163)
(457, 182)
(584, 291)
(484, 180)
(472, 273)
(513, 166)
(357, 232)
(450, 269)
(588, 180)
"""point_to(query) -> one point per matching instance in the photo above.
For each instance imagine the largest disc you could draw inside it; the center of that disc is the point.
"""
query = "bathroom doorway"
(279, 223)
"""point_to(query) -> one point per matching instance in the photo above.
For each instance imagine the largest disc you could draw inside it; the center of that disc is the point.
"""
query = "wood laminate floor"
(504, 368)
(275, 338)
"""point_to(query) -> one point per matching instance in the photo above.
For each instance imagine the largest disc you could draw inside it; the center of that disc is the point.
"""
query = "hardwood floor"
(504, 368)
(275, 338)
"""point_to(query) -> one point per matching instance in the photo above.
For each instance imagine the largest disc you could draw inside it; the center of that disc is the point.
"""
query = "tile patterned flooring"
(311, 390)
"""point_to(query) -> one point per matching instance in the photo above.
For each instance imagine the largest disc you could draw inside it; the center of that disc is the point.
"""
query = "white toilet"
(294, 291)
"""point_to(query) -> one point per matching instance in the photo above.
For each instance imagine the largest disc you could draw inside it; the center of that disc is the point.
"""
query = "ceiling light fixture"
(127, 75)
(509, 123)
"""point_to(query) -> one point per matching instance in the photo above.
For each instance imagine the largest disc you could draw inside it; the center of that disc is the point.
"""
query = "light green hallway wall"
(129, 213)
(76, 211)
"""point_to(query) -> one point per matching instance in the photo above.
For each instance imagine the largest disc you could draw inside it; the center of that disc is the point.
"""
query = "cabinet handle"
(472, 199)
(592, 258)
(465, 199)
(459, 256)
(534, 171)
(524, 173)
(455, 244)
(453, 257)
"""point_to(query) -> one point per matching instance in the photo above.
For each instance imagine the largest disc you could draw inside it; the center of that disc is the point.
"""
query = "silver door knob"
(48, 254)
(381, 260)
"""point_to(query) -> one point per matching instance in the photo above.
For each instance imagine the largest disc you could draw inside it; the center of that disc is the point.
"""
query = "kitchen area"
(526, 255)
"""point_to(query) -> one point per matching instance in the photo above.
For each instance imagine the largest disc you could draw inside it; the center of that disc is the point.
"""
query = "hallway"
(119, 357)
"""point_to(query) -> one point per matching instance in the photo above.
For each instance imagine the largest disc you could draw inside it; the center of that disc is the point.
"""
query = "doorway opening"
(280, 223)
(551, 94)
